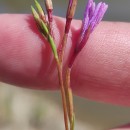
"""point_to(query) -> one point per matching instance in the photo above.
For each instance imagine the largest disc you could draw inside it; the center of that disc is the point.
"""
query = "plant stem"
(62, 49)
(67, 88)
(64, 103)
(69, 99)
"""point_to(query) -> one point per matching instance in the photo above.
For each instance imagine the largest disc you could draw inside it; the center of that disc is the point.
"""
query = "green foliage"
(43, 27)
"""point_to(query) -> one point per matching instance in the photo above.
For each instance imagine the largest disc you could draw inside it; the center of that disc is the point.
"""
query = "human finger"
(101, 71)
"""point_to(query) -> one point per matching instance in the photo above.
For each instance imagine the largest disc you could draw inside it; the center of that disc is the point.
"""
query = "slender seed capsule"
(71, 8)
(49, 8)
(35, 14)
(70, 14)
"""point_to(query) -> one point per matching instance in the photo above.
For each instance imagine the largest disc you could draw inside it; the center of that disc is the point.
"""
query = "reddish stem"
(77, 49)
(68, 23)
(59, 67)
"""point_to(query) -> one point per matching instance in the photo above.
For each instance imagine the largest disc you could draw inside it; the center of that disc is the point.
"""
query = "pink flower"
(92, 17)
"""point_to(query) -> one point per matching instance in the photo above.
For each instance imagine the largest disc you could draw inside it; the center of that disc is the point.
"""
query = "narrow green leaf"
(39, 8)
(53, 46)
(35, 14)
(44, 28)
(73, 122)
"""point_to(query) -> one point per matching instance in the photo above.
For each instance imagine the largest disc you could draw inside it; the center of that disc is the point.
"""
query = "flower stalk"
(59, 67)
(69, 16)
(69, 96)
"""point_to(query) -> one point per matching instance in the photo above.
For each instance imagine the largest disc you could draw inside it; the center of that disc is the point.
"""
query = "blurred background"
(22, 109)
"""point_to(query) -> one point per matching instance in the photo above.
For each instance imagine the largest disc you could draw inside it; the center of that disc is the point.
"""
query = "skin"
(101, 71)
(125, 127)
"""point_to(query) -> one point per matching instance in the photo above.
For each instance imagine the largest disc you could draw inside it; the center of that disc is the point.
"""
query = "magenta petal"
(98, 18)
(92, 16)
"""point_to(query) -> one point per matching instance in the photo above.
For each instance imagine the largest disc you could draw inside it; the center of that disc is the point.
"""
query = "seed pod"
(49, 8)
